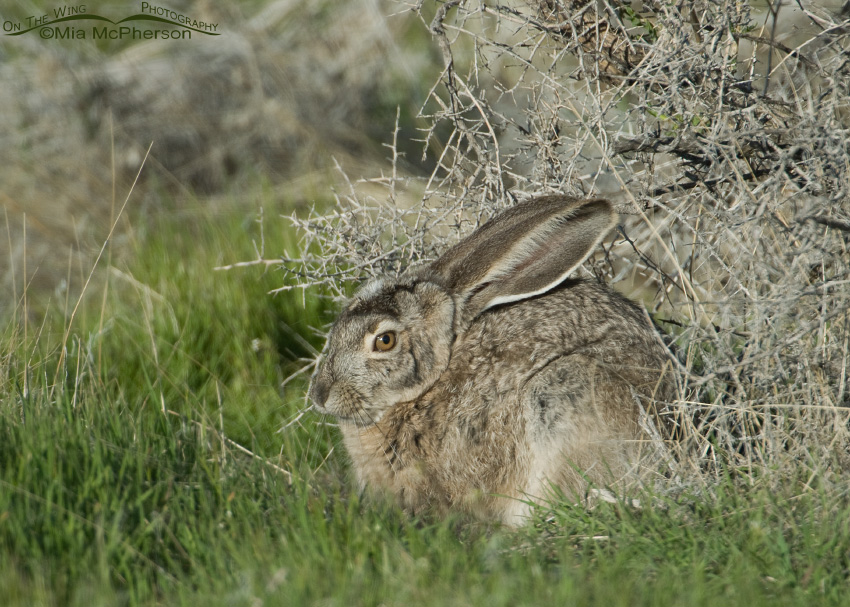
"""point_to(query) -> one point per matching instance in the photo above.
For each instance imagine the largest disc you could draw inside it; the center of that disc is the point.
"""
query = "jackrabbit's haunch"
(478, 382)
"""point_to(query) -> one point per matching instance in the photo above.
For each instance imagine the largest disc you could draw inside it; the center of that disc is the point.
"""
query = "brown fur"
(484, 410)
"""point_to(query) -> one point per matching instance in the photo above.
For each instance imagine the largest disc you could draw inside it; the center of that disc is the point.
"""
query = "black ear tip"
(596, 208)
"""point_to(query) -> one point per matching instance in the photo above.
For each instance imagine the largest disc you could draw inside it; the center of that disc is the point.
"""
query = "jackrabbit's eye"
(385, 341)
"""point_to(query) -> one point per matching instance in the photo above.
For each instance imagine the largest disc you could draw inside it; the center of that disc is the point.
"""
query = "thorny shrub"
(721, 133)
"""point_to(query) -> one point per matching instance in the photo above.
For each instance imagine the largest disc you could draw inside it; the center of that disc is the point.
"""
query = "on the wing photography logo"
(152, 22)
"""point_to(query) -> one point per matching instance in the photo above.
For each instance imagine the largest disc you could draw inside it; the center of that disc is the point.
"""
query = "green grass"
(106, 500)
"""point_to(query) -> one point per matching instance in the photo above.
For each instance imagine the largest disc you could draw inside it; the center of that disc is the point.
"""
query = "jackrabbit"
(484, 379)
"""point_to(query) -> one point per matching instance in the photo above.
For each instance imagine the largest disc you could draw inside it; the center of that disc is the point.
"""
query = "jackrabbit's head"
(389, 345)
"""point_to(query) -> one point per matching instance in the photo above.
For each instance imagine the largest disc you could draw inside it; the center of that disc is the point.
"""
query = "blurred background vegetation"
(257, 117)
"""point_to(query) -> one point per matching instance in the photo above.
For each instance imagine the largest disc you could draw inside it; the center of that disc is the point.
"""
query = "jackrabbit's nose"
(319, 391)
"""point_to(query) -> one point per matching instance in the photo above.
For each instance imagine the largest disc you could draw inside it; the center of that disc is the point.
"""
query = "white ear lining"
(503, 299)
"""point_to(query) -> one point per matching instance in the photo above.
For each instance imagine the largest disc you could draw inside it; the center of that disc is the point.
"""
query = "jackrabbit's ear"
(525, 251)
